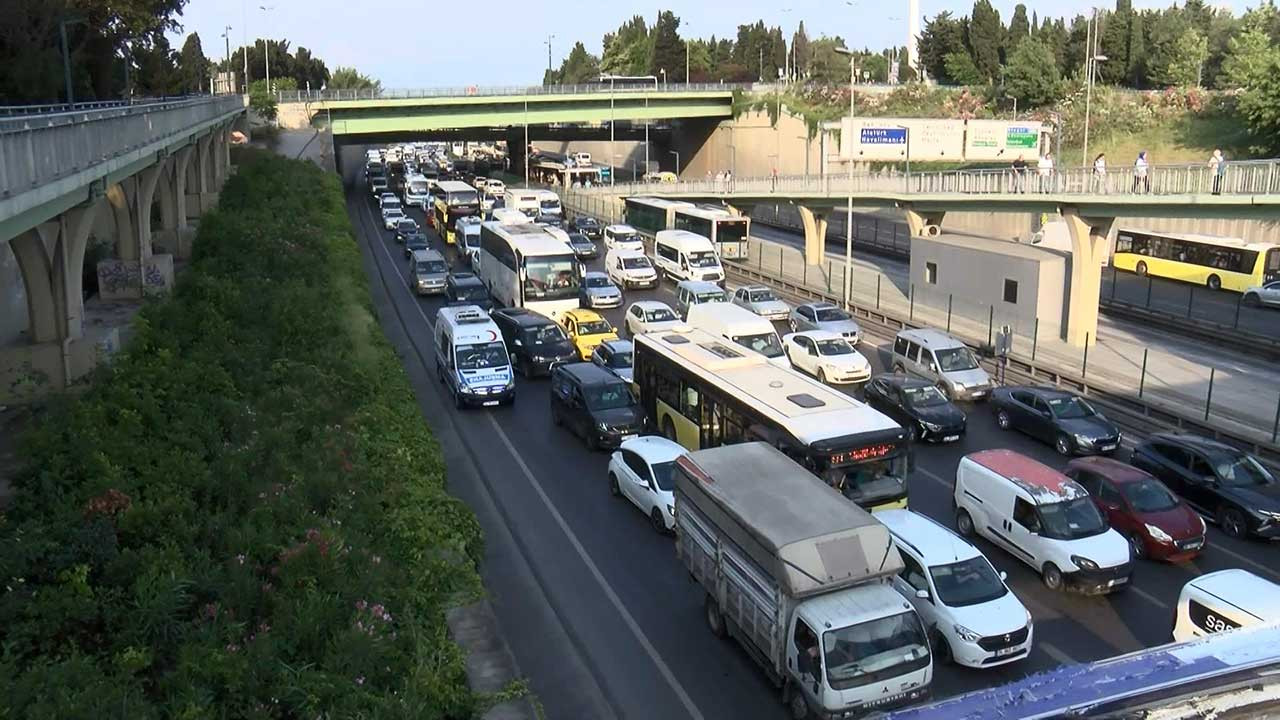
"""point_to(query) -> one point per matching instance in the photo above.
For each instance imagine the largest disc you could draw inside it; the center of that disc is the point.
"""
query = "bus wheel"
(715, 621)
(1141, 269)
(1214, 282)
(669, 430)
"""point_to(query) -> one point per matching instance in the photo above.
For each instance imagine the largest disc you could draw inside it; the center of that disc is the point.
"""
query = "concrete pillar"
(1088, 250)
(31, 249)
(68, 278)
(121, 198)
(815, 234)
(920, 223)
(51, 259)
(143, 199)
(198, 178)
(174, 233)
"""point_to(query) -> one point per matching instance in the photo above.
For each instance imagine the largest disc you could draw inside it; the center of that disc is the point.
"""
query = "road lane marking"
(1053, 652)
(933, 476)
(616, 601)
(1148, 597)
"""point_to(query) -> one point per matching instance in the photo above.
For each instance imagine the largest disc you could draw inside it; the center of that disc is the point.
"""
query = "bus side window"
(689, 402)
(712, 434)
(668, 390)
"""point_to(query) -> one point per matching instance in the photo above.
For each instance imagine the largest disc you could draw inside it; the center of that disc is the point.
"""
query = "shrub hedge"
(244, 515)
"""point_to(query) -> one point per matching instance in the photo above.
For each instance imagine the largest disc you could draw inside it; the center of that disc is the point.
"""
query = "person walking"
(1019, 175)
(1044, 169)
(1100, 173)
(1140, 177)
(1217, 165)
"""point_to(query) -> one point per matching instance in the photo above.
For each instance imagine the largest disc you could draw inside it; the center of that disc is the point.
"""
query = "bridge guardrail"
(482, 91)
(12, 111)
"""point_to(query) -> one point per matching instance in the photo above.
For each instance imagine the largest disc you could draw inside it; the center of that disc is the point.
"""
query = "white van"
(974, 618)
(416, 191)
(495, 188)
(623, 237)
(1224, 600)
(471, 358)
(695, 292)
(549, 203)
(510, 216)
(1043, 518)
(682, 255)
(523, 199)
(740, 326)
(582, 159)
(940, 358)
(630, 269)
(467, 233)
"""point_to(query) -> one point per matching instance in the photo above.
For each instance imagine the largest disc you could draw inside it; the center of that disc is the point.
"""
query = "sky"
(504, 42)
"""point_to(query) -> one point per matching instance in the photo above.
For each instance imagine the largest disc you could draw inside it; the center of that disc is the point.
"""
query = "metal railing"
(506, 90)
(39, 149)
(1245, 177)
(11, 111)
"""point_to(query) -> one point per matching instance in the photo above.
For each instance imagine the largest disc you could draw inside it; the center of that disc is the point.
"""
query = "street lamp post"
(673, 152)
(1088, 96)
(611, 79)
(266, 48)
(548, 44)
(226, 36)
(848, 221)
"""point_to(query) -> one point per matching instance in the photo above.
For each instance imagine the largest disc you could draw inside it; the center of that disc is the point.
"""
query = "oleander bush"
(244, 515)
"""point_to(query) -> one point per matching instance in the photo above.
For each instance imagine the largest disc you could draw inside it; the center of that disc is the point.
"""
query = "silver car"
(614, 356)
(761, 301)
(825, 316)
(1268, 294)
(598, 291)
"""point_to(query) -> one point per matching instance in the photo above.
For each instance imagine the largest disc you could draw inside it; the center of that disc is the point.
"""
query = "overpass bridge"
(1089, 204)
(389, 112)
(69, 176)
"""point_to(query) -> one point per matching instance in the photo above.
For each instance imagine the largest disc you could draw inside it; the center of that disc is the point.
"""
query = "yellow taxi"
(586, 330)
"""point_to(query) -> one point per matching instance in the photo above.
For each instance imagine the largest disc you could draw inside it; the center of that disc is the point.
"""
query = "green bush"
(244, 515)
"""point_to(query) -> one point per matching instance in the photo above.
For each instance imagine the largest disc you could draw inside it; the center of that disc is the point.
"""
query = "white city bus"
(652, 214)
(528, 266)
(726, 231)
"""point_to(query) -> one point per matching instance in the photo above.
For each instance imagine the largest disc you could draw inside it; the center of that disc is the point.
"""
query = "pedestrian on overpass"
(1140, 177)
(1044, 169)
(1019, 175)
(1100, 173)
(1217, 165)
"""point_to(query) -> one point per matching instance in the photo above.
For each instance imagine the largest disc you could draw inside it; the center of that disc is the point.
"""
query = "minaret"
(913, 32)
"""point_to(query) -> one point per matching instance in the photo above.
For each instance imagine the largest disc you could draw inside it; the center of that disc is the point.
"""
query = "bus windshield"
(731, 230)
(870, 482)
(466, 197)
(418, 187)
(705, 258)
(550, 277)
(766, 344)
(477, 357)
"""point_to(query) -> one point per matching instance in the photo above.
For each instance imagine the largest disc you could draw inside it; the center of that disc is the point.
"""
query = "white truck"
(802, 579)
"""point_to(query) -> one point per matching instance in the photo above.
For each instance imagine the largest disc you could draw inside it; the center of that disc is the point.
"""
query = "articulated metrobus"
(1215, 262)
(703, 392)
(726, 231)
(528, 266)
(453, 200)
(650, 214)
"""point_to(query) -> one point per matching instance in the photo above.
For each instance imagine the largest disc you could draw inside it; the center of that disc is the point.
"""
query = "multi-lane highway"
(596, 608)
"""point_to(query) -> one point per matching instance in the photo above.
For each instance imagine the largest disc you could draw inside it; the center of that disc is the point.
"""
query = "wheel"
(822, 376)
(555, 417)
(592, 443)
(614, 490)
(1251, 300)
(1051, 576)
(715, 620)
(658, 521)
(1232, 522)
(797, 706)
(1214, 282)
(964, 523)
(1137, 546)
(526, 368)
(458, 402)
(942, 648)
(1063, 444)
(669, 430)
(1002, 419)
(1141, 268)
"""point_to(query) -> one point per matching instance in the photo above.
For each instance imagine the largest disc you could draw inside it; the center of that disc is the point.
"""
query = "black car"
(414, 241)
(917, 405)
(535, 342)
(466, 289)
(595, 404)
(1217, 479)
(586, 225)
(405, 228)
(582, 246)
(550, 220)
(1057, 417)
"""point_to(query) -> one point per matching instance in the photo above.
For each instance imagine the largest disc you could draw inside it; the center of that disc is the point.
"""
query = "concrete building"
(988, 280)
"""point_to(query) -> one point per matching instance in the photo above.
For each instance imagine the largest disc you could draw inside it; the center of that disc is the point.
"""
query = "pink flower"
(378, 610)
(361, 604)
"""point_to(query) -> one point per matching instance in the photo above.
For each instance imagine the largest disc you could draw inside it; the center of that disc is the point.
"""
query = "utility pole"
(226, 36)
(848, 222)
(266, 47)
(549, 39)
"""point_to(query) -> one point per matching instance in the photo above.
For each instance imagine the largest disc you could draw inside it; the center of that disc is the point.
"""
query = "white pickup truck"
(802, 579)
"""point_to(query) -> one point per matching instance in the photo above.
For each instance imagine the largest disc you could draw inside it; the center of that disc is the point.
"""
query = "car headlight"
(1084, 563)
(671, 510)
(965, 633)
(604, 427)
(1157, 534)
(1084, 440)
(932, 427)
(1270, 514)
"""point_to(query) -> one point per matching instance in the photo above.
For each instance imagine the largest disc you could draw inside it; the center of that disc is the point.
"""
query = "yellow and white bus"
(453, 199)
(1215, 262)
(701, 391)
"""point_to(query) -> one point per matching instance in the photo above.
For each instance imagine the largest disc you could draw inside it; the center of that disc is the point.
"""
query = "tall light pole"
(266, 47)
(673, 152)
(611, 79)
(848, 221)
(226, 36)
(244, 43)
(548, 44)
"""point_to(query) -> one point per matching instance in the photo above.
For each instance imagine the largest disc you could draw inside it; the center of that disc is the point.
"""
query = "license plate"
(1108, 448)
(980, 393)
(1192, 545)
(1117, 581)
(951, 438)
(490, 403)
(628, 437)
(1007, 651)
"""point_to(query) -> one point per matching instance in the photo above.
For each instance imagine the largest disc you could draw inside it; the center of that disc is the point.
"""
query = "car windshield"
(968, 582)
(587, 223)
(390, 204)
(766, 344)
(610, 396)
(920, 397)
(831, 314)
(1071, 519)
(620, 360)
(1070, 408)
(580, 240)
(1240, 471)
(762, 295)
(596, 281)
(550, 277)
(705, 258)
(834, 346)
(626, 238)
(872, 651)
(662, 474)
(594, 327)
(466, 197)
(660, 315)
(636, 263)
(550, 204)
(471, 292)
(956, 359)
(407, 225)
(706, 297)
(1148, 495)
(544, 335)
(476, 357)
(432, 267)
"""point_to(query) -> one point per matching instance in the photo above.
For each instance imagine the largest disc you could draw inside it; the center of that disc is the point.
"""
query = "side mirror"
(922, 594)
(933, 367)
(1004, 575)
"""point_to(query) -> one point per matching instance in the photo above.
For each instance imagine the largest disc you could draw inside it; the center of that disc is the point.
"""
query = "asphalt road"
(599, 613)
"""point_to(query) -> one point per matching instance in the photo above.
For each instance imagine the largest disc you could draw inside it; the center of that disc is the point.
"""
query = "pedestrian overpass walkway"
(353, 112)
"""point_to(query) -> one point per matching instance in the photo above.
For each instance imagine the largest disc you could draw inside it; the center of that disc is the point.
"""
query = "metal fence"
(10, 111)
(482, 91)
(35, 150)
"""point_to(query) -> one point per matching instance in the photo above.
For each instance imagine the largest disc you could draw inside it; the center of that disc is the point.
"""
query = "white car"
(826, 356)
(652, 316)
(641, 470)
(623, 237)
(761, 301)
(1268, 294)
(630, 268)
(392, 215)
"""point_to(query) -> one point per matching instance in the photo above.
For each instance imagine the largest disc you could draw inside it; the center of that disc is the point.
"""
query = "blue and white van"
(471, 358)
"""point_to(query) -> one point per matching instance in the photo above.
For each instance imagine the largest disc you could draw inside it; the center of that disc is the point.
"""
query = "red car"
(1158, 523)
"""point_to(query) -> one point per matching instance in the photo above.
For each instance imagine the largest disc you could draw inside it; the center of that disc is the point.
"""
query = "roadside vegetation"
(244, 514)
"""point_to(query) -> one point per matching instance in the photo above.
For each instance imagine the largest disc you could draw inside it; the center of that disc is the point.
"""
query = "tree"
(155, 71)
(986, 36)
(1260, 104)
(1176, 51)
(800, 51)
(825, 64)
(1018, 26)
(1074, 49)
(308, 70)
(668, 48)
(962, 71)
(626, 52)
(942, 35)
(261, 100)
(579, 67)
(193, 66)
(1136, 75)
(1187, 67)
(1249, 52)
(1032, 75)
(1115, 42)
(775, 54)
(346, 78)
